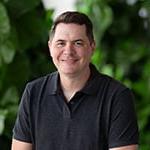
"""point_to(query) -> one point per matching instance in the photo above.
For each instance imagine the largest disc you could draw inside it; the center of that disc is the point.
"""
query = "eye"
(60, 44)
(78, 43)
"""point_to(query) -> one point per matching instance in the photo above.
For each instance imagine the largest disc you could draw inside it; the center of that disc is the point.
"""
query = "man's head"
(71, 43)
(76, 18)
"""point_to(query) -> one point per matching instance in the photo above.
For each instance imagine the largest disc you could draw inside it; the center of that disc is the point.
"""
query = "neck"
(72, 84)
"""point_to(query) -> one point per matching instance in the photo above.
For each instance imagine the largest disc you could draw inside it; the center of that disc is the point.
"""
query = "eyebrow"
(77, 40)
(80, 40)
(61, 40)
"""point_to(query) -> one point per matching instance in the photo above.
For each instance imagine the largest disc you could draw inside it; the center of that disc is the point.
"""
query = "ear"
(93, 45)
(49, 46)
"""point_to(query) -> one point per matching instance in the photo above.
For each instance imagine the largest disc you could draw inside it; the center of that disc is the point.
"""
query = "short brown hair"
(77, 18)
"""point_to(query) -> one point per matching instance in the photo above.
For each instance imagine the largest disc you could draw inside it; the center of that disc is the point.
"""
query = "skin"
(129, 147)
(71, 52)
(19, 145)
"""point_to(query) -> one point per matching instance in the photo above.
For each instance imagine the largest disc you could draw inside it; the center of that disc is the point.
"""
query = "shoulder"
(117, 95)
(103, 81)
(113, 90)
(41, 81)
(111, 83)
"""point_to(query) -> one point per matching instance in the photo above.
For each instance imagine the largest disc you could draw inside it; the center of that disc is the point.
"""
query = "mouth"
(69, 60)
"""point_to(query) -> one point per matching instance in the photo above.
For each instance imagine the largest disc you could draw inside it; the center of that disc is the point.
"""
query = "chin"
(68, 71)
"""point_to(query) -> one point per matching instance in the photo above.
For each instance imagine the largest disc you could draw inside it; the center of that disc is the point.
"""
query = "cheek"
(88, 53)
(52, 51)
(55, 53)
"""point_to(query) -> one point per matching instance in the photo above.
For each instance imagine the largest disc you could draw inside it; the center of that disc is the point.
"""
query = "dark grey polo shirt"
(98, 117)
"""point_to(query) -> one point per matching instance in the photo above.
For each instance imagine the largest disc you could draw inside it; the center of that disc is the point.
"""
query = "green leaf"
(119, 72)
(144, 115)
(107, 69)
(17, 72)
(7, 51)
(10, 97)
(146, 70)
(97, 58)
(19, 8)
(105, 15)
(48, 17)
(4, 23)
(146, 4)
(2, 120)
(1, 61)
(31, 30)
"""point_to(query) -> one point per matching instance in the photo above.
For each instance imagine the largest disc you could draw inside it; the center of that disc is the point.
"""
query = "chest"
(77, 124)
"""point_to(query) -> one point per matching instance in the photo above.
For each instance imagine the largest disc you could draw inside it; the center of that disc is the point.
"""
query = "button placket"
(66, 112)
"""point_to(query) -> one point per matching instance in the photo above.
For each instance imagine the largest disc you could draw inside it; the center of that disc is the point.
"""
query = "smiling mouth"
(70, 61)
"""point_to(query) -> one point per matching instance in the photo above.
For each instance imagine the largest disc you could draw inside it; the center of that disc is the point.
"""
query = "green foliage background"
(122, 33)
(24, 56)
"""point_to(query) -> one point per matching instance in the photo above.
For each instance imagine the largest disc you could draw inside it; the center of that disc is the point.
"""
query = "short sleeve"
(22, 129)
(123, 125)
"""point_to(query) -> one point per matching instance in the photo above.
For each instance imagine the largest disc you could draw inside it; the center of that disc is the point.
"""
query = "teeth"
(69, 59)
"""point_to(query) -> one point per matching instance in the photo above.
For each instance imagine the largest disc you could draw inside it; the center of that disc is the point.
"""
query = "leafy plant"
(24, 55)
(123, 50)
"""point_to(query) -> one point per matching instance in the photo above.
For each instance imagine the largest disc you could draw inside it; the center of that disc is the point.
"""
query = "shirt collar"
(90, 88)
(53, 83)
(92, 85)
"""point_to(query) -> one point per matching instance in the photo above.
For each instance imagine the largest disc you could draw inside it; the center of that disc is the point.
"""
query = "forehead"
(70, 30)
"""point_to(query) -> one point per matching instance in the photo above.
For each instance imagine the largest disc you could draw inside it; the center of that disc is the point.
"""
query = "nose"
(69, 49)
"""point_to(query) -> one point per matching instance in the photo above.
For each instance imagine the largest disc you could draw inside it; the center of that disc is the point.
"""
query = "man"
(75, 108)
